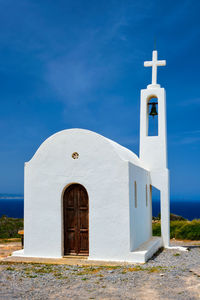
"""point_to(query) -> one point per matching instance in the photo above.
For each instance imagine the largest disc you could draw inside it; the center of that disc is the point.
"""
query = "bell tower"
(153, 147)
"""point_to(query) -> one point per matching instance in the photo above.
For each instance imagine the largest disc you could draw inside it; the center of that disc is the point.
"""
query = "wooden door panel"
(83, 199)
(70, 198)
(76, 221)
(71, 242)
(71, 219)
(83, 215)
(84, 242)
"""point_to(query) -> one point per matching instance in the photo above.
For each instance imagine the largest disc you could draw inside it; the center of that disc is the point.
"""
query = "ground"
(171, 274)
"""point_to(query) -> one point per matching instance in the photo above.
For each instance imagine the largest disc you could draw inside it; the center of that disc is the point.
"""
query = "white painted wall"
(103, 169)
(160, 180)
(140, 216)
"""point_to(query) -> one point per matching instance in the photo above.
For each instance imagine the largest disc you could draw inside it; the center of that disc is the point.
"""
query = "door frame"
(62, 218)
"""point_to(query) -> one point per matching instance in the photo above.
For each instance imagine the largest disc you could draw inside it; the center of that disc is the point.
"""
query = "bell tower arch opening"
(152, 116)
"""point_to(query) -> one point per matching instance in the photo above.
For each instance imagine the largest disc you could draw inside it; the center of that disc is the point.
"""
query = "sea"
(13, 206)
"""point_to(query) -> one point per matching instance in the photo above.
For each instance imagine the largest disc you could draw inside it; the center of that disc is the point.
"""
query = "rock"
(196, 271)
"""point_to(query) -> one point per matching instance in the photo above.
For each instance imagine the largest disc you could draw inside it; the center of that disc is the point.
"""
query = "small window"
(135, 188)
(146, 195)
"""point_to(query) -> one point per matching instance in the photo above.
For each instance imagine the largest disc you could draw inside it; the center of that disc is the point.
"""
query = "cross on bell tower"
(154, 64)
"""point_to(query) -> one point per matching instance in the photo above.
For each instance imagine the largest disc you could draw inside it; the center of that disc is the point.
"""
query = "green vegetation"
(190, 230)
(180, 228)
(141, 268)
(173, 217)
(32, 276)
(183, 230)
(9, 227)
(11, 240)
(10, 269)
(176, 254)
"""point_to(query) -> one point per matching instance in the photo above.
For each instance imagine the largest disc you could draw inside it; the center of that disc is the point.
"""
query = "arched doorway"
(76, 220)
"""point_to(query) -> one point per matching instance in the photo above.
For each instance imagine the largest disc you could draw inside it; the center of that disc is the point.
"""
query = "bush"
(156, 230)
(174, 226)
(9, 227)
(184, 230)
(189, 231)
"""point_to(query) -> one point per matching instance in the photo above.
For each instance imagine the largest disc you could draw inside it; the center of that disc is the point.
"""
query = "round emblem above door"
(75, 155)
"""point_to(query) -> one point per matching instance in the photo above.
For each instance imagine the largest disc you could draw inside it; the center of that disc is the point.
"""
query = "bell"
(153, 111)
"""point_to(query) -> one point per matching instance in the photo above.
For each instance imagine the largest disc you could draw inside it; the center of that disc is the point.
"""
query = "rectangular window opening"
(156, 209)
(146, 195)
(135, 188)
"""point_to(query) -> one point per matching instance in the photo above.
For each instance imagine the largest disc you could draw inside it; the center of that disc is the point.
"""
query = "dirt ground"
(7, 246)
(171, 274)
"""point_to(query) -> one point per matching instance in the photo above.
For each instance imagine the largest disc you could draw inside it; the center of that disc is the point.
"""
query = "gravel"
(171, 274)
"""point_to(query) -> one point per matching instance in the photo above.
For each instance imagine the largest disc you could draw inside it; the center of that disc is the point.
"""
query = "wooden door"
(76, 224)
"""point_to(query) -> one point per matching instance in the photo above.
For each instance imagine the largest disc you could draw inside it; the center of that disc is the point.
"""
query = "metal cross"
(154, 64)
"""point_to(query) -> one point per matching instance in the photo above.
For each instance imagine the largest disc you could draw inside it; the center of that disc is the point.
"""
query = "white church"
(87, 195)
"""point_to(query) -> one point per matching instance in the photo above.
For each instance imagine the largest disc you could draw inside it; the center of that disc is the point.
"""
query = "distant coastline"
(11, 198)
(189, 209)
(13, 206)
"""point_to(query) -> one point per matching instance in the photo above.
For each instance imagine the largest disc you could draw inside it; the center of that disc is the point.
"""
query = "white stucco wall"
(103, 169)
(140, 216)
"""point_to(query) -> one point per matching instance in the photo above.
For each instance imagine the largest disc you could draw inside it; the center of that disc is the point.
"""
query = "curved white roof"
(122, 152)
(126, 154)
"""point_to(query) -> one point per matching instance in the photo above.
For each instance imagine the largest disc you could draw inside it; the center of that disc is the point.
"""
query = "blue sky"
(67, 64)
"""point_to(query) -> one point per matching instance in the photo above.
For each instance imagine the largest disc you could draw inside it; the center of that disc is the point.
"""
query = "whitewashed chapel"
(87, 195)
